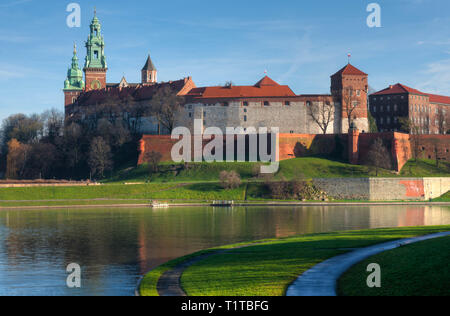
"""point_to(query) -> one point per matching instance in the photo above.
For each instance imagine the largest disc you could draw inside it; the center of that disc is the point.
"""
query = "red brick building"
(426, 113)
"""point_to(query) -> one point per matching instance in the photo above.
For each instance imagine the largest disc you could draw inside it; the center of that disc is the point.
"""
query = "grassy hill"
(209, 172)
(300, 167)
(426, 168)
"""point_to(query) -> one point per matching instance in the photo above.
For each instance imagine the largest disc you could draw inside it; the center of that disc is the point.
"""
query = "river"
(114, 247)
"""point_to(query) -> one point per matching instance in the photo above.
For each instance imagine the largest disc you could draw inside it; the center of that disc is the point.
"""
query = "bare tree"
(165, 106)
(441, 120)
(100, 159)
(349, 104)
(378, 156)
(53, 124)
(230, 180)
(410, 126)
(153, 159)
(322, 113)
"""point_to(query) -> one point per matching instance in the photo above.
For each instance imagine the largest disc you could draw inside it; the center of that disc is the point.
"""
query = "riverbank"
(172, 194)
(406, 271)
(268, 267)
(148, 204)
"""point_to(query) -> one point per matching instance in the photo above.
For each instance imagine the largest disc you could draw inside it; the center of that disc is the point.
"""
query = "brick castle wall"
(340, 146)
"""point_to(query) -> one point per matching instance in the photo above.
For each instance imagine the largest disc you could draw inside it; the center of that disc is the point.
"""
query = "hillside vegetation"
(295, 168)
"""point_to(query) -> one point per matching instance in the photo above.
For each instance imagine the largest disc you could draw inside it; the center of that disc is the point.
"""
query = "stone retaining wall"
(384, 189)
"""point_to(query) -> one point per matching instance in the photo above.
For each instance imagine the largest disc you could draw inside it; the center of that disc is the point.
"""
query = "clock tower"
(95, 67)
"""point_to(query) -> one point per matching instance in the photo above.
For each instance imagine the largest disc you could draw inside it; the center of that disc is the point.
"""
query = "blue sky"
(300, 43)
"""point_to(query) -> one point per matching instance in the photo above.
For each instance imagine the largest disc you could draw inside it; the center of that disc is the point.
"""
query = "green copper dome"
(74, 79)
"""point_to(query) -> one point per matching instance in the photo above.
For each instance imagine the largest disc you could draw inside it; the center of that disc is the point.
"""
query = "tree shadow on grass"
(348, 171)
(205, 187)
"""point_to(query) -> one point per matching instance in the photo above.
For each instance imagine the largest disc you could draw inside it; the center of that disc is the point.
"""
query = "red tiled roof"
(136, 92)
(434, 98)
(266, 87)
(350, 70)
(401, 88)
(398, 89)
(266, 81)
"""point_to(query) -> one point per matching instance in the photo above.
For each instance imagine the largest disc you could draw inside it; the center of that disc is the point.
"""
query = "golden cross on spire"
(74, 47)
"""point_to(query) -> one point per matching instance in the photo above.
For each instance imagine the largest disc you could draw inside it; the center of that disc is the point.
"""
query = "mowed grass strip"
(141, 191)
(420, 269)
(268, 267)
(164, 191)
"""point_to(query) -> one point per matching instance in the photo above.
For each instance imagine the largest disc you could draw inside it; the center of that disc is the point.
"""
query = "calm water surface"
(115, 247)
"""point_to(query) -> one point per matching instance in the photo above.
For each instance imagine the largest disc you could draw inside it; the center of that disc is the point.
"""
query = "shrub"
(153, 159)
(294, 190)
(230, 180)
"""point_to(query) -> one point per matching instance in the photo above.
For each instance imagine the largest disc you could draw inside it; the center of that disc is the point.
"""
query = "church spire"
(149, 72)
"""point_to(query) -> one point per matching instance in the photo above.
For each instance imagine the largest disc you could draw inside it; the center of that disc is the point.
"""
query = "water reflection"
(115, 246)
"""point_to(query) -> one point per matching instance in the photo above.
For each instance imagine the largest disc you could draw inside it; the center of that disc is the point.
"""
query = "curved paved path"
(322, 279)
(169, 283)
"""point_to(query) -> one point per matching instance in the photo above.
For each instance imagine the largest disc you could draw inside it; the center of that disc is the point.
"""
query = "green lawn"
(426, 168)
(197, 172)
(268, 267)
(419, 269)
(444, 198)
(207, 172)
(310, 167)
(200, 181)
(53, 203)
(158, 191)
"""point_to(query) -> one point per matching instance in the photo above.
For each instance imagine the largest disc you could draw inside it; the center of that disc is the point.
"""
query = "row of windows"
(416, 120)
(395, 97)
(381, 108)
(426, 120)
(388, 120)
(402, 97)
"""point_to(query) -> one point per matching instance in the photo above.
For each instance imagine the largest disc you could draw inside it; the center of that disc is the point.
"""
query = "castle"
(265, 104)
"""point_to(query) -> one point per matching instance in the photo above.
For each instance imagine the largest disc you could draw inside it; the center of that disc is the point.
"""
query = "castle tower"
(74, 83)
(95, 67)
(149, 72)
(349, 88)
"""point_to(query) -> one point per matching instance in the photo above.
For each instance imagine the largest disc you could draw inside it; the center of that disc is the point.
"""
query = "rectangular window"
(245, 103)
(266, 103)
(96, 54)
(245, 118)
(287, 103)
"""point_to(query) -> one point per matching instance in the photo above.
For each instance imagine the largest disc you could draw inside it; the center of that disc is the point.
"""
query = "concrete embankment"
(384, 189)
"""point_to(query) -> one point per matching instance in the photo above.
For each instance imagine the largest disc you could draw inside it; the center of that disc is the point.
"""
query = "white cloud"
(14, 3)
(6, 74)
(436, 78)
